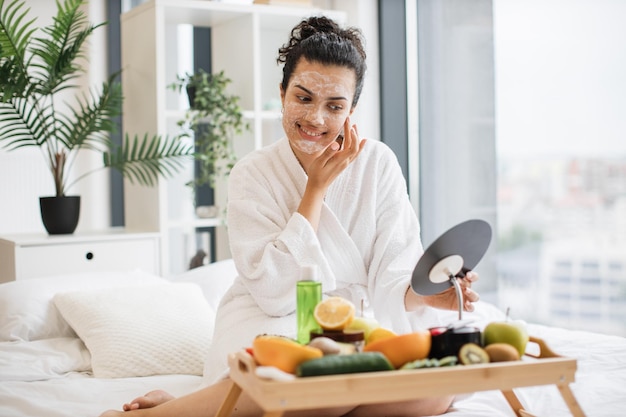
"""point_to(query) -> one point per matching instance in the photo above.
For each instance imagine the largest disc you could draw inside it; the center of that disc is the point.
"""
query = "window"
(521, 120)
(560, 95)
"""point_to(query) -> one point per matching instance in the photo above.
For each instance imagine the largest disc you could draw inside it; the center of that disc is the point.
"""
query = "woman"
(324, 196)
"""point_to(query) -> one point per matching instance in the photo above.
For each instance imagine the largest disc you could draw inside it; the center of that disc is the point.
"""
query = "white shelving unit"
(245, 41)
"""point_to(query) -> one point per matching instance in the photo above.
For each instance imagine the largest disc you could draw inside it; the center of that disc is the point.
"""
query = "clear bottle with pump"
(308, 295)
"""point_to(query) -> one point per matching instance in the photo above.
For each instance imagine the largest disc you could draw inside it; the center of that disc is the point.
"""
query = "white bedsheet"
(80, 395)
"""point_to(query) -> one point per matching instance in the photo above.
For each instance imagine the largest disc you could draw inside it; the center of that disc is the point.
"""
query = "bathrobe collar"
(339, 248)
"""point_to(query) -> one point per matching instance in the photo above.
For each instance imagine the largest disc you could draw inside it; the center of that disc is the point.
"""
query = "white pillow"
(214, 279)
(26, 309)
(144, 330)
(42, 359)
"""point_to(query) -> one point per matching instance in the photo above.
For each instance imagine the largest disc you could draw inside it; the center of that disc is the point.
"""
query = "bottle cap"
(308, 272)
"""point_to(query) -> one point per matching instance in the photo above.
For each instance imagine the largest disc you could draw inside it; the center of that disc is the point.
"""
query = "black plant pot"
(60, 214)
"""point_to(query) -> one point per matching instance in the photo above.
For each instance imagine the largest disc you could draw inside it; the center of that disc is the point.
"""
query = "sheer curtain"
(456, 132)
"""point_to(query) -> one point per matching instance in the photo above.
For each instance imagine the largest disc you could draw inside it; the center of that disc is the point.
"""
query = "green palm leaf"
(22, 125)
(60, 50)
(142, 161)
(88, 124)
(15, 35)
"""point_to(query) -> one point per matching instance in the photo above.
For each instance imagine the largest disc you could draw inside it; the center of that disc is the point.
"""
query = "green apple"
(512, 332)
(366, 324)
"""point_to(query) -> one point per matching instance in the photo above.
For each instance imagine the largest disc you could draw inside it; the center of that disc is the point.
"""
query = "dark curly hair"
(320, 39)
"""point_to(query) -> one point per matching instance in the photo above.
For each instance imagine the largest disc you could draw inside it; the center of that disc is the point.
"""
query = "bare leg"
(414, 408)
(206, 402)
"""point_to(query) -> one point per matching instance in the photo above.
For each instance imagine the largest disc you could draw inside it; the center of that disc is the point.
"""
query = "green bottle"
(308, 295)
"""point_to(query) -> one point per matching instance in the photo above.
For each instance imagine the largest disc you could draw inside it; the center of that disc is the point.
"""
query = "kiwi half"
(471, 353)
(502, 352)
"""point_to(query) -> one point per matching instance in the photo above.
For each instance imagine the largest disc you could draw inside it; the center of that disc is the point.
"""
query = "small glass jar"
(355, 338)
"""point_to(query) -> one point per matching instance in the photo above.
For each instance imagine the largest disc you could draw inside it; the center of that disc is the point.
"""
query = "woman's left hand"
(447, 300)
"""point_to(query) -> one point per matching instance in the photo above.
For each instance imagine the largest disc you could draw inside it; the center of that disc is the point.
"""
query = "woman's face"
(316, 104)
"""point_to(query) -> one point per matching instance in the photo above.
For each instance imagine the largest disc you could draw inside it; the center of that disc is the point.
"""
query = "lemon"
(334, 313)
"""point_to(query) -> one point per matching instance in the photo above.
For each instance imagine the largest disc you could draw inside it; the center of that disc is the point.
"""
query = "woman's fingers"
(471, 295)
(351, 146)
(469, 298)
(471, 276)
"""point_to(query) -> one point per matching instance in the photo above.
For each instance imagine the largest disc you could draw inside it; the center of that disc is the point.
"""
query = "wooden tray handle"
(544, 349)
(245, 362)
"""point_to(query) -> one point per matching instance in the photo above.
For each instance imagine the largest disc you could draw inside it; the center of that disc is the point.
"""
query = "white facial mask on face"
(308, 146)
(317, 115)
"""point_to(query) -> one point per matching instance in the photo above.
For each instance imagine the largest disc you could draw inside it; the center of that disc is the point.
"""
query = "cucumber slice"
(345, 364)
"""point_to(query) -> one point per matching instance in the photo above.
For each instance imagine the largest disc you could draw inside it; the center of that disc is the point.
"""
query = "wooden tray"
(276, 397)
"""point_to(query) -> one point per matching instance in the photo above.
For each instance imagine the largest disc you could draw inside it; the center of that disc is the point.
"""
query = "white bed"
(153, 342)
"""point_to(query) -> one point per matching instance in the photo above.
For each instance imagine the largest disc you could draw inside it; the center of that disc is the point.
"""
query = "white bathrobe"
(366, 246)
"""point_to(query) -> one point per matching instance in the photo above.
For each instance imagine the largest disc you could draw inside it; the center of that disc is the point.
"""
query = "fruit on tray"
(471, 354)
(447, 341)
(431, 363)
(282, 352)
(512, 332)
(345, 364)
(403, 348)
(327, 345)
(380, 333)
(334, 313)
(366, 324)
(349, 341)
(502, 352)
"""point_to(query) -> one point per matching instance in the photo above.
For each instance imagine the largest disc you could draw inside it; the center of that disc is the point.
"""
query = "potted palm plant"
(36, 72)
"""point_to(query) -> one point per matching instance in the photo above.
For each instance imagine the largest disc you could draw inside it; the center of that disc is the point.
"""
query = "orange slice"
(402, 348)
(334, 313)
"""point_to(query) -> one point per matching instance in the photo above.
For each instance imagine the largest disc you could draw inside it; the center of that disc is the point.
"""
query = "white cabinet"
(40, 255)
(244, 44)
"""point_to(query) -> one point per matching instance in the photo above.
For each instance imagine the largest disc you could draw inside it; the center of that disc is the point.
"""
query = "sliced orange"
(334, 313)
(402, 348)
(380, 333)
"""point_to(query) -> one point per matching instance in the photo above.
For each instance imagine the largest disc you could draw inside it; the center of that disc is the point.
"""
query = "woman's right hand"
(325, 169)
(335, 158)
